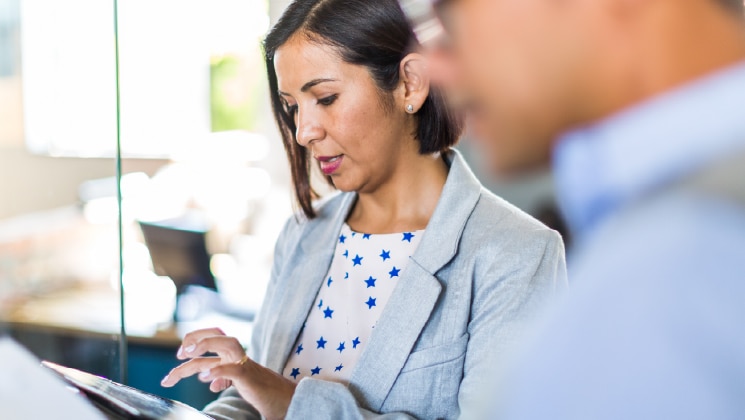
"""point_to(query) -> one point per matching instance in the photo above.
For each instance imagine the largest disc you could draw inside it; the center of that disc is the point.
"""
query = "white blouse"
(363, 273)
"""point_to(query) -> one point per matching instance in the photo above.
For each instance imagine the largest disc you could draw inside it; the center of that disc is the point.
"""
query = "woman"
(400, 293)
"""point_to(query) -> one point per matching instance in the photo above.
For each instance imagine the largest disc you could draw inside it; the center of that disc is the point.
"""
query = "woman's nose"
(309, 129)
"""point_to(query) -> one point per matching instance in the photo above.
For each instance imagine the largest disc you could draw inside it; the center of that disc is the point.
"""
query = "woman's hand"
(263, 388)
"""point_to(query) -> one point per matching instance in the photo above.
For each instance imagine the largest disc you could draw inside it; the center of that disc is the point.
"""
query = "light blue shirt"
(654, 324)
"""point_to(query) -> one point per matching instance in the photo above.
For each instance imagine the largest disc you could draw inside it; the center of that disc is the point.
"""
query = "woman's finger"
(220, 384)
(229, 349)
(192, 367)
(189, 343)
(232, 372)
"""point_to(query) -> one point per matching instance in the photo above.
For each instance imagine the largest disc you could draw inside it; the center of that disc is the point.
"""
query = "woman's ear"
(415, 82)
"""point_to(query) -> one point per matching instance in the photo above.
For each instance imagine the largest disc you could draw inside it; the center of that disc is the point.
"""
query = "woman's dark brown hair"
(371, 33)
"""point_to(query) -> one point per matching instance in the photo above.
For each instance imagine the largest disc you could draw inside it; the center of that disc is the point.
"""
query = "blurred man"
(640, 107)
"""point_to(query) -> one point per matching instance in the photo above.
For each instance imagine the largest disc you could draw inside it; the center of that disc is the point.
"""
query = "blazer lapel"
(395, 334)
(418, 290)
(306, 269)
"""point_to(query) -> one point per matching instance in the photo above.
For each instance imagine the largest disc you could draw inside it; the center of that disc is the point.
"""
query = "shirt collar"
(603, 166)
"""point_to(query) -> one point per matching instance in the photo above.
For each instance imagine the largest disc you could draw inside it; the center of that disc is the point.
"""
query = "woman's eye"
(327, 100)
(291, 110)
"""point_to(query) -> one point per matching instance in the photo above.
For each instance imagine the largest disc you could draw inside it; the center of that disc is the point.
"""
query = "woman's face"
(341, 117)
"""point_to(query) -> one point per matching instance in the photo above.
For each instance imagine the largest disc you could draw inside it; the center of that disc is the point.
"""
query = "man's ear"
(415, 82)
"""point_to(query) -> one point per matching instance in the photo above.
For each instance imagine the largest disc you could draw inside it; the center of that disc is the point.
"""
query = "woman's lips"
(330, 164)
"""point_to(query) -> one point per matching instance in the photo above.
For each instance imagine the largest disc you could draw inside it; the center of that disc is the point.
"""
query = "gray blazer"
(482, 269)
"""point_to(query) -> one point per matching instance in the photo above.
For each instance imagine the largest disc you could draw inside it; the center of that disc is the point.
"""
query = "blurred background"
(204, 186)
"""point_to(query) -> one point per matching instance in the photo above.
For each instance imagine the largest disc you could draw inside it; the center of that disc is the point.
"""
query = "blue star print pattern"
(370, 302)
(346, 311)
(321, 343)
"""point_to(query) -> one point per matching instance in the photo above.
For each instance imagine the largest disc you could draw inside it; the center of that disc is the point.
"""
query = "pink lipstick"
(330, 164)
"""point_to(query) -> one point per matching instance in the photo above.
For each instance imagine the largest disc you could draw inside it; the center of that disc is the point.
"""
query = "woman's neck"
(406, 202)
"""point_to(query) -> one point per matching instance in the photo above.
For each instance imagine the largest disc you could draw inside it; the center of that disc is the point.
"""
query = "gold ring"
(243, 360)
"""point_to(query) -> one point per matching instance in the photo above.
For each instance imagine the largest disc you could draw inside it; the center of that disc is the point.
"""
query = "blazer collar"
(459, 196)
(440, 242)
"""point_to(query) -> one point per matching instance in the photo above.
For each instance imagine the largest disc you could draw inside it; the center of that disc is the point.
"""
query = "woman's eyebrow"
(315, 82)
(306, 87)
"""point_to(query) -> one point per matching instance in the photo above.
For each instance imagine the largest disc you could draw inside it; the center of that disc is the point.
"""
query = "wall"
(30, 183)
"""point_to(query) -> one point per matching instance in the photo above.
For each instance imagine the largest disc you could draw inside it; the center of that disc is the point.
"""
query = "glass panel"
(205, 186)
(202, 163)
(59, 243)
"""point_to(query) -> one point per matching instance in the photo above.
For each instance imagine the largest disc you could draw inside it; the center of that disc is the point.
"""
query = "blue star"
(339, 368)
(366, 236)
(321, 343)
(355, 342)
(408, 236)
(370, 302)
(320, 304)
(371, 282)
(299, 349)
(342, 238)
(354, 234)
(315, 371)
(357, 260)
(385, 255)
(341, 347)
(295, 373)
(394, 273)
(346, 254)
(327, 312)
(329, 282)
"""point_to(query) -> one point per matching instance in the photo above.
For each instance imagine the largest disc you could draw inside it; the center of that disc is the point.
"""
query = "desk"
(79, 328)
(57, 300)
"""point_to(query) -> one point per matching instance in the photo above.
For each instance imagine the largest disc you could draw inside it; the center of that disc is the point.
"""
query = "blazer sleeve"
(510, 293)
(320, 399)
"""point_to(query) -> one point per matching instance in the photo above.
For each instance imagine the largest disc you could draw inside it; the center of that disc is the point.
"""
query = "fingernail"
(180, 351)
(190, 349)
(164, 380)
(204, 374)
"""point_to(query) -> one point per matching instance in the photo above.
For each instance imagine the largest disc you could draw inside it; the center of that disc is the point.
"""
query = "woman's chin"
(345, 185)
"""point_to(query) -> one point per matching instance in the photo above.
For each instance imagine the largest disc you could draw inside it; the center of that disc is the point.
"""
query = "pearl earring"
(410, 108)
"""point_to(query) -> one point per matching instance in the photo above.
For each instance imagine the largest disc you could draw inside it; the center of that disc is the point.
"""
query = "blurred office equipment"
(180, 253)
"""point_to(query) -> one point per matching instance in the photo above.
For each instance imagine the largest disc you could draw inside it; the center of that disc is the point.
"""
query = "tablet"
(123, 402)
